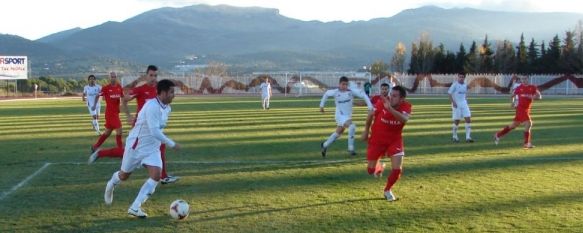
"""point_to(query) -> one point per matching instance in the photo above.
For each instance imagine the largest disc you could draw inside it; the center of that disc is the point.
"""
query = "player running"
(143, 147)
(459, 107)
(525, 93)
(112, 94)
(343, 98)
(388, 120)
(91, 95)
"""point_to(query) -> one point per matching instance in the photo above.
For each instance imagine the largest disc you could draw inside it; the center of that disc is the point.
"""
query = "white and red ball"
(179, 209)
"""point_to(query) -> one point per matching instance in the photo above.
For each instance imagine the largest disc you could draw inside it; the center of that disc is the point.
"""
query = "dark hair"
(152, 68)
(385, 85)
(91, 76)
(462, 74)
(343, 79)
(401, 90)
(164, 85)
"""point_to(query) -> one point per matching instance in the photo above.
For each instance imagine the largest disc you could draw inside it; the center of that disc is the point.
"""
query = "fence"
(316, 83)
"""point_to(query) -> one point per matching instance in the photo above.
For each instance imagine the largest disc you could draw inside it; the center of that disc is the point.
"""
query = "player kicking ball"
(525, 93)
(388, 120)
(143, 147)
(343, 98)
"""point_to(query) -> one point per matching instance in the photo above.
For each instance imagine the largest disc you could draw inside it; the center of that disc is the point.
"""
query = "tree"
(472, 58)
(425, 54)
(398, 60)
(461, 59)
(486, 57)
(532, 57)
(569, 54)
(379, 69)
(505, 57)
(521, 56)
(414, 63)
(554, 55)
(439, 59)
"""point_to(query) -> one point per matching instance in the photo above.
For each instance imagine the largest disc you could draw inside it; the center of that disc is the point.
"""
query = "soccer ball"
(179, 209)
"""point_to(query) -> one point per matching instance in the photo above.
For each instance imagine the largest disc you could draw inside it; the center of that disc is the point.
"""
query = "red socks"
(118, 141)
(503, 132)
(116, 152)
(395, 175)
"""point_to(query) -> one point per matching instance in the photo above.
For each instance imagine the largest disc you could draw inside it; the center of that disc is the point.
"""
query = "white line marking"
(232, 162)
(16, 187)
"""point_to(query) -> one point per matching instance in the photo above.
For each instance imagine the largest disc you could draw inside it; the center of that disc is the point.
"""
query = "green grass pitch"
(248, 170)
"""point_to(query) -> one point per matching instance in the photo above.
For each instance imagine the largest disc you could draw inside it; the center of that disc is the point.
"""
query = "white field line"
(38, 99)
(23, 182)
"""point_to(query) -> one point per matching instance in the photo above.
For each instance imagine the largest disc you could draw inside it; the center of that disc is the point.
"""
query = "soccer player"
(459, 107)
(143, 147)
(112, 94)
(91, 95)
(343, 98)
(384, 93)
(142, 94)
(388, 120)
(265, 94)
(525, 93)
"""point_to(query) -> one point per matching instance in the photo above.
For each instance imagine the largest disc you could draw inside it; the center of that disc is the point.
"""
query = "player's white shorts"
(264, 97)
(97, 110)
(460, 112)
(342, 119)
(133, 159)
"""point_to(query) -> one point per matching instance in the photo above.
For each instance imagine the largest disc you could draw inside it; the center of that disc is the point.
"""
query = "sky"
(33, 19)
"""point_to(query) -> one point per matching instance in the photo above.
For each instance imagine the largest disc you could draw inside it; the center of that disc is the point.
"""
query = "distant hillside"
(252, 38)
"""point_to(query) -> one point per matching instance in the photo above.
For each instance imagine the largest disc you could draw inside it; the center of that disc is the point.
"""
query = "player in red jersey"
(388, 120)
(525, 93)
(112, 94)
(384, 93)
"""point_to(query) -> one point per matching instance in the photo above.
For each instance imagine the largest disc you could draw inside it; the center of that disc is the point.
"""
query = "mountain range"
(261, 39)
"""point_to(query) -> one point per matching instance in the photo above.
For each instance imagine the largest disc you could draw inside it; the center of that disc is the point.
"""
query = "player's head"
(461, 77)
(385, 89)
(113, 77)
(152, 73)
(343, 83)
(266, 80)
(91, 79)
(165, 90)
(524, 79)
(398, 95)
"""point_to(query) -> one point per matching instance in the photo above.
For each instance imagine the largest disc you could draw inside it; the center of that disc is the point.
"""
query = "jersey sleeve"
(154, 121)
(328, 93)
(451, 89)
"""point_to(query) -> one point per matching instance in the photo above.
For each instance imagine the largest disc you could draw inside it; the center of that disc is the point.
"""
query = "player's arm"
(367, 125)
(324, 98)
(154, 120)
(512, 99)
(365, 98)
(537, 95)
(450, 92)
(401, 116)
(124, 106)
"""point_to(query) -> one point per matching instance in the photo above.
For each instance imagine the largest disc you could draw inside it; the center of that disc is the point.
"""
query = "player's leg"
(153, 164)
(455, 116)
(96, 117)
(351, 131)
(374, 153)
(128, 164)
(527, 134)
(334, 136)
(505, 130)
(468, 126)
(263, 102)
(118, 137)
(267, 102)
(93, 114)
(397, 167)
(101, 139)
(165, 178)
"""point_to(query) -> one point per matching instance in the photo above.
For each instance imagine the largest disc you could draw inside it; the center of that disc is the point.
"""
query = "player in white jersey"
(91, 95)
(343, 98)
(265, 93)
(459, 106)
(143, 147)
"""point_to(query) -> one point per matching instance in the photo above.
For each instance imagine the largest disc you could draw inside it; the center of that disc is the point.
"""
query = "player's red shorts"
(112, 122)
(375, 151)
(522, 115)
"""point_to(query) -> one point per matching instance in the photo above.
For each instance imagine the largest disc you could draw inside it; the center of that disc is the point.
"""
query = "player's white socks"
(95, 124)
(468, 130)
(115, 179)
(147, 189)
(331, 139)
(351, 132)
(454, 131)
